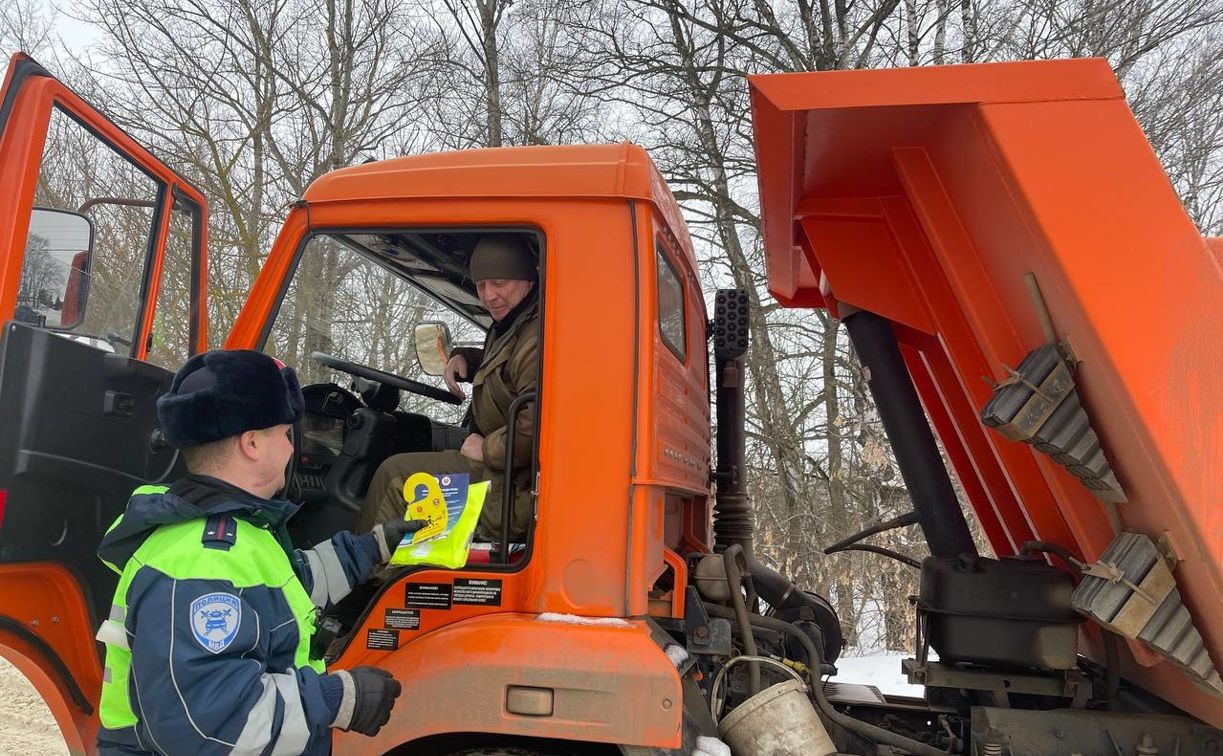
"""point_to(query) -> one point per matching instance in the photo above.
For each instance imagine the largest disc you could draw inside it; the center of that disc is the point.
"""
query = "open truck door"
(102, 270)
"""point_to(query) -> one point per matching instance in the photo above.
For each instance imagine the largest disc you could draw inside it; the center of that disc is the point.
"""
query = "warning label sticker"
(477, 592)
(427, 596)
(382, 640)
(403, 619)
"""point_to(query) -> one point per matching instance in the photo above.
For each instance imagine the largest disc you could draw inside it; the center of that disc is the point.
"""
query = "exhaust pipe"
(733, 522)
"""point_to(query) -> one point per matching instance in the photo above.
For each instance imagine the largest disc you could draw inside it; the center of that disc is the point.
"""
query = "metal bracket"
(1063, 684)
(705, 636)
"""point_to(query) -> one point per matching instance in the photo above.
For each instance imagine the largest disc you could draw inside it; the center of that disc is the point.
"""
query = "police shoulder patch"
(215, 619)
(220, 532)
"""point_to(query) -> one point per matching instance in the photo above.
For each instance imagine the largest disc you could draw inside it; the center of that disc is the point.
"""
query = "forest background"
(254, 99)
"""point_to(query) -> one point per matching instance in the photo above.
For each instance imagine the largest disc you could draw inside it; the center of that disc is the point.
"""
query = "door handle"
(119, 404)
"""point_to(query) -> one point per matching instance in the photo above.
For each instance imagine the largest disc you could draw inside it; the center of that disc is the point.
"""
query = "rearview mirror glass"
(432, 341)
(55, 270)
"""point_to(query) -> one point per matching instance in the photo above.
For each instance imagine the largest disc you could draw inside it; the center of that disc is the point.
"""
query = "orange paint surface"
(925, 195)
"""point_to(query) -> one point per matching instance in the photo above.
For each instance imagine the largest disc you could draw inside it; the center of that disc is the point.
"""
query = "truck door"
(101, 297)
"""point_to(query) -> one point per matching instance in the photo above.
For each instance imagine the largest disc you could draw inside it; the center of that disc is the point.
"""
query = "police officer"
(208, 639)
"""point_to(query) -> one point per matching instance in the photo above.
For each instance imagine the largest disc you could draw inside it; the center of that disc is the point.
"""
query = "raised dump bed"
(987, 210)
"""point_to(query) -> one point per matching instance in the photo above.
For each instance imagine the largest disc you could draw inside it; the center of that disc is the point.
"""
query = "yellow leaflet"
(431, 507)
(450, 549)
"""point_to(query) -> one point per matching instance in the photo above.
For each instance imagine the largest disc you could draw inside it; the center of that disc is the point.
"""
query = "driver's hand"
(456, 368)
(473, 448)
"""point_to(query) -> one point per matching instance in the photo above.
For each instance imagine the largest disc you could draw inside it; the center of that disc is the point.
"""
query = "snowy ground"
(26, 724)
(881, 671)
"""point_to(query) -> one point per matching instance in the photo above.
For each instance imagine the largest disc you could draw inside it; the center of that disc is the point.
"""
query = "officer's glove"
(369, 696)
(389, 534)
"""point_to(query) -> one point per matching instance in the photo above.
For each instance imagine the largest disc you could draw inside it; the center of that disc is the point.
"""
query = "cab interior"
(348, 322)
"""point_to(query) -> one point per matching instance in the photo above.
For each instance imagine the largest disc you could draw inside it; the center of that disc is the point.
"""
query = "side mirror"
(55, 270)
(432, 340)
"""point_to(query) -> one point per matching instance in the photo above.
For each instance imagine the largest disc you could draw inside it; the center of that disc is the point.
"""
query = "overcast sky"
(75, 34)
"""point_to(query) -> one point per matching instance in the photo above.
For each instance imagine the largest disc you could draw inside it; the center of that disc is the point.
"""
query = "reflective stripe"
(337, 581)
(294, 729)
(257, 732)
(348, 701)
(106, 676)
(380, 538)
(318, 591)
(117, 613)
(113, 634)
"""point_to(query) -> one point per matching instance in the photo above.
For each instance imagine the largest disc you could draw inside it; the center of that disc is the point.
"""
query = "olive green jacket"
(507, 367)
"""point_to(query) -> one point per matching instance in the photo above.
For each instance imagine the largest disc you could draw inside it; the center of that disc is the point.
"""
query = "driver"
(507, 366)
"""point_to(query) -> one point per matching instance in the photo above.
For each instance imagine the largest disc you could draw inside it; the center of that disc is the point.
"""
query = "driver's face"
(500, 295)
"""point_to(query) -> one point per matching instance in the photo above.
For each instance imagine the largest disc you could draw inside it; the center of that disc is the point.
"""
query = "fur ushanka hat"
(219, 394)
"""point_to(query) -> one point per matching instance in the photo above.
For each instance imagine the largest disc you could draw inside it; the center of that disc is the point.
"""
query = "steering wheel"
(381, 376)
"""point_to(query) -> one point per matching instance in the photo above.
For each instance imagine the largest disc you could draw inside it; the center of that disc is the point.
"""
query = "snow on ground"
(880, 670)
(26, 724)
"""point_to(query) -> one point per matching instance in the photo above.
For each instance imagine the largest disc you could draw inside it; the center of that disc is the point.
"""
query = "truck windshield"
(358, 304)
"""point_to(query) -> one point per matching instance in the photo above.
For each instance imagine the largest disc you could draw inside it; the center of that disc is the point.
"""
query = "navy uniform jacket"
(208, 638)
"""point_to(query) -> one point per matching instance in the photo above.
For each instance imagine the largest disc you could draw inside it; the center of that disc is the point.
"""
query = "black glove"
(373, 692)
(389, 534)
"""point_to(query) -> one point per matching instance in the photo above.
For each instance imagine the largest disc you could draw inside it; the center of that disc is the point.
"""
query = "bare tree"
(477, 23)
(504, 80)
(256, 100)
(26, 25)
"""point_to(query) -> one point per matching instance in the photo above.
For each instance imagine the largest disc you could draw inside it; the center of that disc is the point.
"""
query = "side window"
(671, 320)
(95, 296)
(173, 329)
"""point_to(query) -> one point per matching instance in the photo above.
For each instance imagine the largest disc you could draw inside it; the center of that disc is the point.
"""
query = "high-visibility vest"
(256, 558)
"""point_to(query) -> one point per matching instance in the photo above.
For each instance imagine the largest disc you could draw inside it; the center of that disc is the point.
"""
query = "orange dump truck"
(1000, 222)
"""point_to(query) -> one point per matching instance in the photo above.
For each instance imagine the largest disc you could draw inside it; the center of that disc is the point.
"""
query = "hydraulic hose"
(734, 579)
(814, 661)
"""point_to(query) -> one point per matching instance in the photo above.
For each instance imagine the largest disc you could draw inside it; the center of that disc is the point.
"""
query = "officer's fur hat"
(220, 394)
